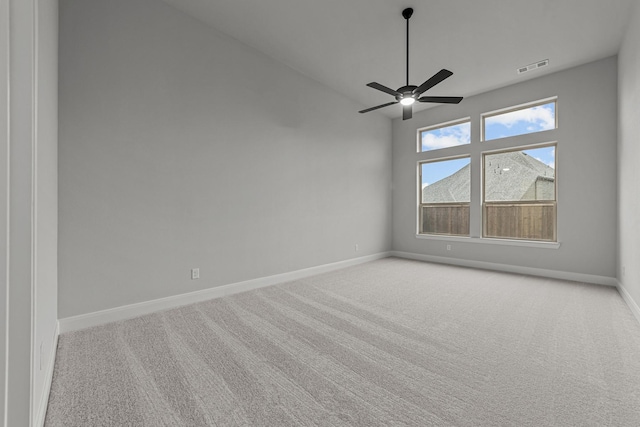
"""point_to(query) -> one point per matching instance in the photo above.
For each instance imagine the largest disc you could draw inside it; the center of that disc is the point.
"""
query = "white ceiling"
(346, 44)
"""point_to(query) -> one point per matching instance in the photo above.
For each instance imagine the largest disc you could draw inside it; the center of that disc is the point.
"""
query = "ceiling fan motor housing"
(406, 92)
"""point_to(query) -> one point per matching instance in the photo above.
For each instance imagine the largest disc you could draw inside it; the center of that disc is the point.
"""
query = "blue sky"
(518, 122)
(435, 171)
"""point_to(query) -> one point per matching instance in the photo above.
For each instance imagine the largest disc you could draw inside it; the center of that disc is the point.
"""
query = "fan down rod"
(407, 14)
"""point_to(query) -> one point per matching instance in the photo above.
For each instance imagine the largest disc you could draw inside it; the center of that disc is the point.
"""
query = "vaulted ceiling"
(346, 44)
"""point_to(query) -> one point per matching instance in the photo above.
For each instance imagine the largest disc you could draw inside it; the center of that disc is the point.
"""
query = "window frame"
(525, 106)
(554, 202)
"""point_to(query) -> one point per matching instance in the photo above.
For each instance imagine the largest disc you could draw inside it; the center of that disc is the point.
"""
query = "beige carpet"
(387, 343)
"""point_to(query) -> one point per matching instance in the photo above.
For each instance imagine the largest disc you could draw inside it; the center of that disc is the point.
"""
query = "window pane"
(520, 122)
(445, 197)
(520, 175)
(446, 181)
(520, 194)
(447, 136)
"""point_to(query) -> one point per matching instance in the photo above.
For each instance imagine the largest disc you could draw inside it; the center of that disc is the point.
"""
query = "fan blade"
(378, 106)
(434, 80)
(407, 112)
(441, 99)
(383, 88)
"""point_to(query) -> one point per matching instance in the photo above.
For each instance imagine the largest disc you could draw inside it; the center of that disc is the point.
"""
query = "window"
(444, 135)
(445, 193)
(520, 194)
(508, 170)
(531, 118)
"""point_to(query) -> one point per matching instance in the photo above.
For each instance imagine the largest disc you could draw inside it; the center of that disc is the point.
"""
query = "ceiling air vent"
(533, 66)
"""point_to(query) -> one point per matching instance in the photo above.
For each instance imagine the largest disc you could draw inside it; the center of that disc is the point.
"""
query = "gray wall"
(4, 205)
(586, 161)
(181, 148)
(29, 206)
(629, 158)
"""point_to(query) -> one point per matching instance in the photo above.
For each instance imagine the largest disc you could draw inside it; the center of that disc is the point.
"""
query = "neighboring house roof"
(526, 178)
(454, 188)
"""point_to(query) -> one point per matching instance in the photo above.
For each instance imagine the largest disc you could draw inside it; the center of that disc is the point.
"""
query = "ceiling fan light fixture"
(407, 101)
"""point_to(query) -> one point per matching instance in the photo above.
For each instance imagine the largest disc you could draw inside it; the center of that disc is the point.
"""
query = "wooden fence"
(529, 221)
(452, 219)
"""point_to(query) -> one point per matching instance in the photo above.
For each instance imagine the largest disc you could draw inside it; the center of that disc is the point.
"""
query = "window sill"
(489, 241)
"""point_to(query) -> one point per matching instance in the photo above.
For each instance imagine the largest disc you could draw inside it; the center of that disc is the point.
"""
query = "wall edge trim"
(626, 296)
(44, 399)
(531, 271)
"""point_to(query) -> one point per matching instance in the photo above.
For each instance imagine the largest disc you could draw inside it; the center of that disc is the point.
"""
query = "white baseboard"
(88, 320)
(44, 400)
(626, 296)
(554, 274)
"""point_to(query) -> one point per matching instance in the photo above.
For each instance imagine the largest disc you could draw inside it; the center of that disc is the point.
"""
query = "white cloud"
(543, 118)
(425, 184)
(447, 137)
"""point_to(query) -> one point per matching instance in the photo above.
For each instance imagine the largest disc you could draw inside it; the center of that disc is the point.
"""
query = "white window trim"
(490, 241)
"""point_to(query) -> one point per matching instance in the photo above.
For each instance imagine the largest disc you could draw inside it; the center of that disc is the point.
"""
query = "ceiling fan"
(408, 94)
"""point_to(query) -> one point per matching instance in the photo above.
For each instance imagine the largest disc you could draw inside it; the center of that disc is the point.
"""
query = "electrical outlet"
(356, 248)
(448, 247)
(195, 273)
